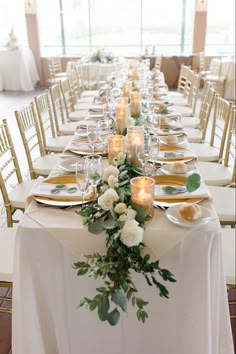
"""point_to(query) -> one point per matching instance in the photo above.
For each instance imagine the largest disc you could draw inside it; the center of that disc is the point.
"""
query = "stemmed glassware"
(94, 167)
(82, 177)
(103, 131)
(92, 136)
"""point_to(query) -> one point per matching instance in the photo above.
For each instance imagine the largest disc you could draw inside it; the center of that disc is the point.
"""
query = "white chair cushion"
(193, 135)
(85, 100)
(20, 192)
(7, 245)
(78, 115)
(172, 94)
(68, 128)
(178, 101)
(228, 250)
(185, 111)
(90, 93)
(215, 174)
(82, 106)
(44, 165)
(205, 152)
(224, 202)
(190, 122)
(58, 143)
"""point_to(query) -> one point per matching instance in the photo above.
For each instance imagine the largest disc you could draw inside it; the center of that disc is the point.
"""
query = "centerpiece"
(123, 219)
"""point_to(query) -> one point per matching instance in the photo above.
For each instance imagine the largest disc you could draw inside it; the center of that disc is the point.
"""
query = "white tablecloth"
(18, 70)
(47, 291)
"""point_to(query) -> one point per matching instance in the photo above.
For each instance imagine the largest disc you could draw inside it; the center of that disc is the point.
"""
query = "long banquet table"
(18, 70)
(47, 291)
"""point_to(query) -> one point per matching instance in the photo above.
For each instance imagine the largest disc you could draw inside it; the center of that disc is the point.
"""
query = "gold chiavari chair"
(84, 92)
(199, 135)
(223, 172)
(76, 89)
(182, 90)
(45, 116)
(212, 150)
(62, 125)
(55, 70)
(215, 76)
(73, 114)
(191, 94)
(14, 190)
(40, 164)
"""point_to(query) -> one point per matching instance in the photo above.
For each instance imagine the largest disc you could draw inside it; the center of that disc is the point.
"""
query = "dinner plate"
(181, 140)
(88, 152)
(167, 170)
(59, 203)
(69, 165)
(166, 203)
(174, 216)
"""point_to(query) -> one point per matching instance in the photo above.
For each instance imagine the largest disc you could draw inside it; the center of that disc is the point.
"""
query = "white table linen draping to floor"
(195, 320)
(18, 70)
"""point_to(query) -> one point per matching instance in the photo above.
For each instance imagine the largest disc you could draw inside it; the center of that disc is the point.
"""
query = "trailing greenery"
(124, 223)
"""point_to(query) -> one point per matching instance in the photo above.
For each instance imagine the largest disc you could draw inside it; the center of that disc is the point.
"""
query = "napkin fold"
(161, 181)
(82, 146)
(181, 154)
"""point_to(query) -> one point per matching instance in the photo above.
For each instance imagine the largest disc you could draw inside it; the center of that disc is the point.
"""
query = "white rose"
(113, 181)
(107, 199)
(120, 208)
(119, 159)
(104, 188)
(110, 171)
(131, 234)
(122, 217)
(131, 213)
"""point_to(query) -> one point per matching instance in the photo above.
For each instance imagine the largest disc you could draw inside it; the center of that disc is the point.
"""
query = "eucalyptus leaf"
(193, 182)
(170, 155)
(174, 190)
(140, 216)
(103, 310)
(113, 317)
(109, 223)
(119, 299)
(97, 226)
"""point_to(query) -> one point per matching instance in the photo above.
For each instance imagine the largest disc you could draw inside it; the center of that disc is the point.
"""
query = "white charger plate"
(174, 216)
(58, 203)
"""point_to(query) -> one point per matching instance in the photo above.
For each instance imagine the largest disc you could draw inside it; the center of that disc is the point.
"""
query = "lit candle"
(122, 114)
(135, 136)
(123, 100)
(126, 89)
(116, 144)
(142, 193)
(135, 104)
(136, 74)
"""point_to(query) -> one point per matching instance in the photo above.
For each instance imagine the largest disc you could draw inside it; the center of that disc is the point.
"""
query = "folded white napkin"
(83, 146)
(201, 192)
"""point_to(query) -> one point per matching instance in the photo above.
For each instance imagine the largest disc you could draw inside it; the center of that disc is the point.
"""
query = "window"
(123, 27)
(220, 37)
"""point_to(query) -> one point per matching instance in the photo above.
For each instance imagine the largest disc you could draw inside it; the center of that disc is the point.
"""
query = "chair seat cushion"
(90, 93)
(82, 106)
(211, 77)
(205, 152)
(215, 174)
(20, 192)
(190, 122)
(78, 115)
(224, 202)
(85, 100)
(184, 111)
(58, 143)
(193, 135)
(68, 128)
(44, 165)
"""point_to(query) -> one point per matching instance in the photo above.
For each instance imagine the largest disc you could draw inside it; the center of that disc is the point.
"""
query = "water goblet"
(95, 169)
(82, 178)
(92, 135)
(103, 131)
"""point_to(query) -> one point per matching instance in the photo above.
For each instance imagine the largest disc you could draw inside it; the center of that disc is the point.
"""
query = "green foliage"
(117, 265)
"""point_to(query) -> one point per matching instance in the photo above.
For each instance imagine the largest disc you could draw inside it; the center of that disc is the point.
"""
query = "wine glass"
(103, 131)
(82, 178)
(92, 135)
(95, 169)
(154, 149)
(155, 122)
